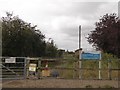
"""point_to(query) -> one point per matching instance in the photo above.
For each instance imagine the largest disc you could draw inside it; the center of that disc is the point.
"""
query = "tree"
(60, 53)
(20, 38)
(106, 35)
(51, 49)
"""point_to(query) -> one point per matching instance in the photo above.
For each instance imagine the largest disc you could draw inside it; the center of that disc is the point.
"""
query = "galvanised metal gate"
(13, 67)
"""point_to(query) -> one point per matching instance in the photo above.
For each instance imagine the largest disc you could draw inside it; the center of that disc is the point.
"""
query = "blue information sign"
(91, 56)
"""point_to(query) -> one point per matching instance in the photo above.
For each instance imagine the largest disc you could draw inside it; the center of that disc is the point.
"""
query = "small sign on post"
(10, 60)
(32, 67)
(91, 56)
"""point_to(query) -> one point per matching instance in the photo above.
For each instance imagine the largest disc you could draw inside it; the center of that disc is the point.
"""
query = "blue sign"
(91, 56)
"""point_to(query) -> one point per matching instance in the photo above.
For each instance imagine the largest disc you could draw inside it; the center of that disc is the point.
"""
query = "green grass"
(70, 59)
(107, 86)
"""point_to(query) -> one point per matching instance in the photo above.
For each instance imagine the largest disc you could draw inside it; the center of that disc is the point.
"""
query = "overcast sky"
(60, 19)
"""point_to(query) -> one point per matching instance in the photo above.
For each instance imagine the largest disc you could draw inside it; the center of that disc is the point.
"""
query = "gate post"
(109, 69)
(25, 68)
(99, 69)
(80, 69)
(39, 68)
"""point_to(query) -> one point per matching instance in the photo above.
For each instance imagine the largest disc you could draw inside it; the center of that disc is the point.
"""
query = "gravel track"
(58, 83)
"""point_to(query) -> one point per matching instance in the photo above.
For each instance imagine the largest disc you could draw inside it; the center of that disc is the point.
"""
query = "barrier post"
(39, 68)
(99, 69)
(109, 69)
(80, 69)
(25, 68)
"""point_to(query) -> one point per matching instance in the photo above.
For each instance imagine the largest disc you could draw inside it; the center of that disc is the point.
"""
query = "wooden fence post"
(25, 68)
(39, 68)
(74, 70)
(80, 69)
(99, 69)
(109, 69)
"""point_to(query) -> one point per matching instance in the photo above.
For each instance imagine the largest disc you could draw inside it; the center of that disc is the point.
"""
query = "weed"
(107, 86)
(88, 86)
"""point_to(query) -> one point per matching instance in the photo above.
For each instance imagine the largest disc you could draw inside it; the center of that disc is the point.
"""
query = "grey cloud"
(72, 31)
(44, 14)
(83, 9)
(68, 44)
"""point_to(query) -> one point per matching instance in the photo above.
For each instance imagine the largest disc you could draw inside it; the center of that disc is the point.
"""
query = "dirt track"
(58, 83)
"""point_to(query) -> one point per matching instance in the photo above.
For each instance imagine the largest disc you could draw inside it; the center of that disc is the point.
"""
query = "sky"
(60, 19)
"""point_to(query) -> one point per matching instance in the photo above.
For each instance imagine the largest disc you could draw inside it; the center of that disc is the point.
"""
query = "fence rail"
(12, 70)
(19, 70)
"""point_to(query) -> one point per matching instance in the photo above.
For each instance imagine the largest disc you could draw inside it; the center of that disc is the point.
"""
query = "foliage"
(88, 86)
(20, 38)
(60, 53)
(51, 49)
(108, 86)
(109, 58)
(106, 35)
(90, 67)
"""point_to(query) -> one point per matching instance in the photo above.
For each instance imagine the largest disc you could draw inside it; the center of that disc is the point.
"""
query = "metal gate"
(13, 67)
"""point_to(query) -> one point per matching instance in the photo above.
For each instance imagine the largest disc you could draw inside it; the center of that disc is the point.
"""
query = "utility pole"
(0, 50)
(80, 61)
(79, 36)
(0, 38)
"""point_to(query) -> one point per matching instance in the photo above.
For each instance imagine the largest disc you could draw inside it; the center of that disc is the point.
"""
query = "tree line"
(21, 39)
(106, 35)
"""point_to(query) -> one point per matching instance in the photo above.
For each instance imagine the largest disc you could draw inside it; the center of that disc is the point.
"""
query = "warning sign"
(32, 67)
